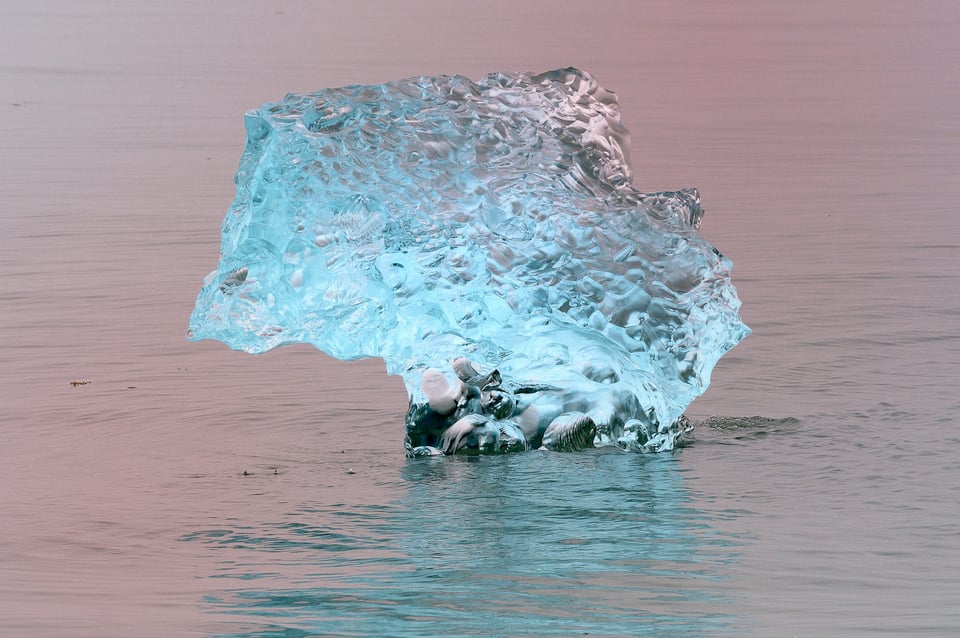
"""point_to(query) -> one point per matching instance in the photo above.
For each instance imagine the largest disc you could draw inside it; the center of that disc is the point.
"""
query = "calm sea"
(189, 490)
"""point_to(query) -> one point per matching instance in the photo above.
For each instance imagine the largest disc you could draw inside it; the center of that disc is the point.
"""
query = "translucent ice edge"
(484, 240)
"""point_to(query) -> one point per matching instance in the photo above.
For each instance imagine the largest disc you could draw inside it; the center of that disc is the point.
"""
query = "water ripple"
(538, 544)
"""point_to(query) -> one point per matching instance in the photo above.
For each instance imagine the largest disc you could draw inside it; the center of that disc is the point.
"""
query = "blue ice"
(485, 240)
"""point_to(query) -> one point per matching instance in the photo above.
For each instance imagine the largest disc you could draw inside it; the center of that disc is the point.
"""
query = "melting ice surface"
(485, 240)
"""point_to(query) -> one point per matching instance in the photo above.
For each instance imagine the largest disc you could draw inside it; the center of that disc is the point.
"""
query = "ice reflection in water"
(540, 544)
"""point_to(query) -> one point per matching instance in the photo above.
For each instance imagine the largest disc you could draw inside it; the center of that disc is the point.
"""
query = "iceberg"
(485, 240)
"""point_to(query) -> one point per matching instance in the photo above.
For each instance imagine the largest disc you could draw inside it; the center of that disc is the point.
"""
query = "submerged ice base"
(485, 241)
